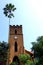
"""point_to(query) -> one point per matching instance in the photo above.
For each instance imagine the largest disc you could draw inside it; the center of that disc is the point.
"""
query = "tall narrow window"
(15, 31)
(15, 46)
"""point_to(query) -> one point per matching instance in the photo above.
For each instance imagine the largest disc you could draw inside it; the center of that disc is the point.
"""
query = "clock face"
(15, 37)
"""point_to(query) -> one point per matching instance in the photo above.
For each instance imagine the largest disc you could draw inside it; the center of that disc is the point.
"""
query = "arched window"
(15, 31)
(16, 59)
(15, 46)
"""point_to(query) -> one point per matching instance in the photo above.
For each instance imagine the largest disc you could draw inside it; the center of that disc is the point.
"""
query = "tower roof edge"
(15, 25)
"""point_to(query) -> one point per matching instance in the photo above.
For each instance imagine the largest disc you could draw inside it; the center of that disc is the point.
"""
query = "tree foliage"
(38, 50)
(8, 10)
(14, 63)
(3, 51)
(24, 57)
(29, 63)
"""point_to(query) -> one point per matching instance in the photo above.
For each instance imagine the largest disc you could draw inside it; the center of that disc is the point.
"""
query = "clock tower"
(16, 46)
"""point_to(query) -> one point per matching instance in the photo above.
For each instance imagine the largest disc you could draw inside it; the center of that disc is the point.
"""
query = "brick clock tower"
(15, 42)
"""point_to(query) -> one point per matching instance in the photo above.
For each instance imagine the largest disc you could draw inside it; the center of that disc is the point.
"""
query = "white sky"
(29, 13)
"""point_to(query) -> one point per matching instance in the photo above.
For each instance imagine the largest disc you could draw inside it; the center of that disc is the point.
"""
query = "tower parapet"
(15, 28)
(20, 26)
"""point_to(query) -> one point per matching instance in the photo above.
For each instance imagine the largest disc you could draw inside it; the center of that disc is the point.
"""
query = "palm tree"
(8, 11)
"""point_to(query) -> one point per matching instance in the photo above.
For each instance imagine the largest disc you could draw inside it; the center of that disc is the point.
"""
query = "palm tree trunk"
(8, 41)
(9, 31)
(9, 21)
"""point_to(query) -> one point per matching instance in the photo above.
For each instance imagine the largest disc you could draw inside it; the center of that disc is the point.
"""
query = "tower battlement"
(17, 26)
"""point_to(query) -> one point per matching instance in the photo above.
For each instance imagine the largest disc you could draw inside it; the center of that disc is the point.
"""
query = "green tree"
(38, 50)
(8, 11)
(3, 51)
(14, 63)
(24, 58)
(29, 63)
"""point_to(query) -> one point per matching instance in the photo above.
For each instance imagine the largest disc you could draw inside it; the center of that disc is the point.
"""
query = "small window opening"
(15, 46)
(15, 31)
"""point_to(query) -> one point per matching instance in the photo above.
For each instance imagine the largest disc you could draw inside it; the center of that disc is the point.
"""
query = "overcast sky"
(29, 14)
